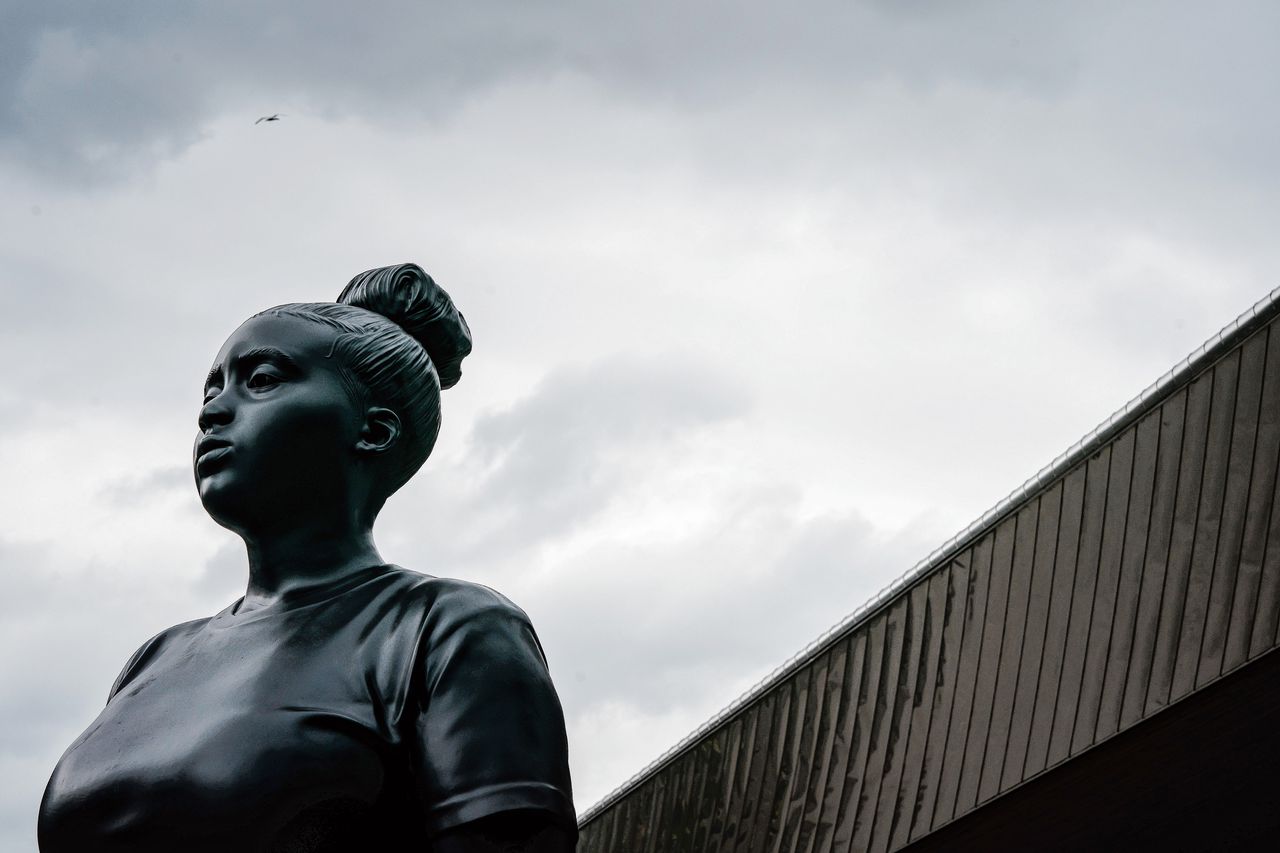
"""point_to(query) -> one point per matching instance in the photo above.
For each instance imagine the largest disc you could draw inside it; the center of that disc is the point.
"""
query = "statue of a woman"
(343, 703)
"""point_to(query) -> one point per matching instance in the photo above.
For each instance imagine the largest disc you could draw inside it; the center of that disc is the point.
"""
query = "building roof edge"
(1175, 378)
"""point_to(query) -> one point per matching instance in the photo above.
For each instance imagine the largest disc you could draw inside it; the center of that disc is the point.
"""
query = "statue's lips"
(209, 443)
(211, 459)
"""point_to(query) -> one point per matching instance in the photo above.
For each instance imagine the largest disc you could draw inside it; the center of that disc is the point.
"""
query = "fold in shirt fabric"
(387, 707)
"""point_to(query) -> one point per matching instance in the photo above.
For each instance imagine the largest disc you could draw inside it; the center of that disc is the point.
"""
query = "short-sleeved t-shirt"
(387, 707)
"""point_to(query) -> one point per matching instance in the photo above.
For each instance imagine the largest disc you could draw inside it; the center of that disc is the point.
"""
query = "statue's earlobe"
(380, 432)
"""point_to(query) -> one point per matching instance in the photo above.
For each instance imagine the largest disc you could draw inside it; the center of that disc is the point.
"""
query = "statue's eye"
(263, 379)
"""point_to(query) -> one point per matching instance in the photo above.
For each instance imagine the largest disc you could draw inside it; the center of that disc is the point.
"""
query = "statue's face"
(277, 430)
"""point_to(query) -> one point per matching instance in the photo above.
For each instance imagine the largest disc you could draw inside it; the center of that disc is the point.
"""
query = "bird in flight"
(273, 117)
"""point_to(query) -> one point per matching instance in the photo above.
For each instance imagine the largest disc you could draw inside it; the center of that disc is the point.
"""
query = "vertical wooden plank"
(704, 793)
(900, 719)
(966, 680)
(748, 817)
(617, 832)
(775, 750)
(617, 829)
(1159, 530)
(1226, 568)
(924, 694)
(881, 726)
(944, 692)
(809, 761)
(649, 835)
(1267, 616)
(1129, 584)
(1086, 575)
(755, 817)
(1262, 531)
(1258, 628)
(681, 809)
(607, 837)
(1057, 621)
(844, 751)
(655, 833)
(789, 749)
(868, 697)
(674, 806)
(802, 795)
(659, 829)
(834, 705)
(665, 828)
(627, 823)
(588, 836)
(665, 799)
(736, 807)
(717, 827)
(895, 622)
(691, 770)
(593, 836)
(637, 811)
(1208, 523)
(1040, 590)
(1104, 594)
(1181, 541)
(1026, 529)
(988, 664)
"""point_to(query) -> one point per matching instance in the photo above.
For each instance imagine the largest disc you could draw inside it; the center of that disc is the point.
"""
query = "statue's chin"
(225, 507)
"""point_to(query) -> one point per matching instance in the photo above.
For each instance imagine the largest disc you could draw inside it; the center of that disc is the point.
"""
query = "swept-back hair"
(400, 340)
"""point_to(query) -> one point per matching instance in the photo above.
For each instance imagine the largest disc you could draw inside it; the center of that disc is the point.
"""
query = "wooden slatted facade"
(1139, 571)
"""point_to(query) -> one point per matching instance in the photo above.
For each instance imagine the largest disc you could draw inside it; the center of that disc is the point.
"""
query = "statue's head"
(328, 407)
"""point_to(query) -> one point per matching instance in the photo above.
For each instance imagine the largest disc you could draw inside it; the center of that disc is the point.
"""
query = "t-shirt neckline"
(303, 598)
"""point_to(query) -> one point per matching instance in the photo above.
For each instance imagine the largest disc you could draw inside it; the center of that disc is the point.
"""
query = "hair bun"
(407, 296)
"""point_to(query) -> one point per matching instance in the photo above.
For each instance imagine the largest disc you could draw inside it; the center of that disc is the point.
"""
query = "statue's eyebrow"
(257, 355)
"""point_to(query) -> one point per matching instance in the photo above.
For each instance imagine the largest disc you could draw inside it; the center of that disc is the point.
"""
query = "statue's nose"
(214, 413)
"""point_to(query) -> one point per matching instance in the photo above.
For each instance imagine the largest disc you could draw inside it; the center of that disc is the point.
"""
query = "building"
(1087, 666)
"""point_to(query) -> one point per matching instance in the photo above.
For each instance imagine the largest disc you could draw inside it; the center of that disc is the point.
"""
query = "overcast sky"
(769, 300)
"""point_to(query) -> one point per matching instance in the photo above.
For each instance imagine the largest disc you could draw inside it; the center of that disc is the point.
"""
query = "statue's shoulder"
(174, 633)
(151, 648)
(457, 641)
(450, 601)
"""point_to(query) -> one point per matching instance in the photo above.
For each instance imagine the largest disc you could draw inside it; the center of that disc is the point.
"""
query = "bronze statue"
(342, 704)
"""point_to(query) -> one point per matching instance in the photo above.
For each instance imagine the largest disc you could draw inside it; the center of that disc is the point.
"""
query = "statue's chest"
(223, 735)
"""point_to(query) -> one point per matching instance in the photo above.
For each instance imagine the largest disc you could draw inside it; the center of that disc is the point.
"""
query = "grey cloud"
(224, 573)
(555, 459)
(76, 343)
(60, 647)
(90, 339)
(675, 624)
(141, 488)
(95, 93)
(101, 108)
(91, 94)
(556, 435)
(25, 566)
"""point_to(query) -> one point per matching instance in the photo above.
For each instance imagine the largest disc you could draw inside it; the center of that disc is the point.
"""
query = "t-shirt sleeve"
(490, 734)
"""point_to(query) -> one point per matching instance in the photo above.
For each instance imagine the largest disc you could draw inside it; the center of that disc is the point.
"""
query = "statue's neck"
(289, 562)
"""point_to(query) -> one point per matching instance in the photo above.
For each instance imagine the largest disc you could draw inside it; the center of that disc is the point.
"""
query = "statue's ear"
(380, 432)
